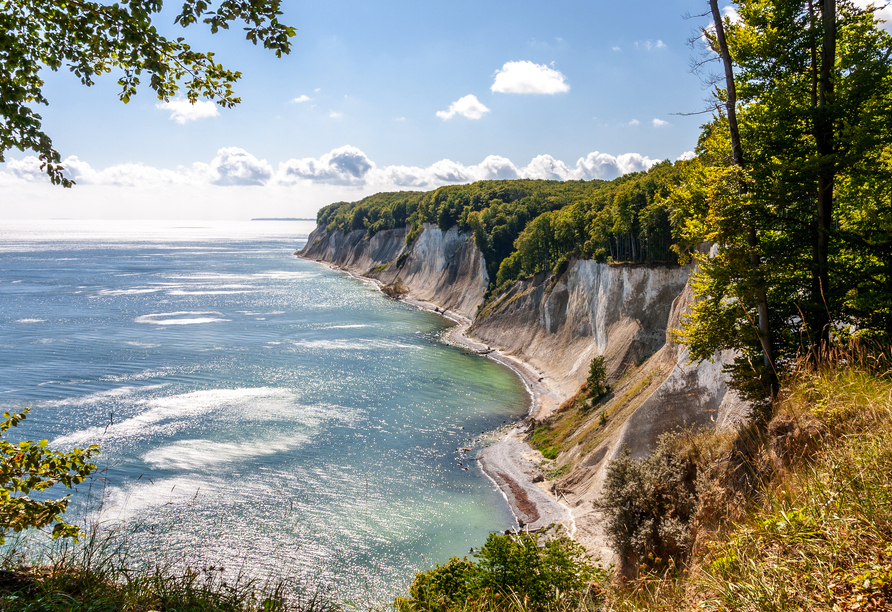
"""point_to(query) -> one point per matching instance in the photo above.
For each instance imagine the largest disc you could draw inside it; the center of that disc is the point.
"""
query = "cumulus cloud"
(528, 78)
(634, 122)
(444, 172)
(26, 169)
(234, 166)
(468, 106)
(658, 123)
(182, 111)
(603, 166)
(344, 168)
(686, 156)
(335, 115)
(300, 99)
(615, 48)
(346, 165)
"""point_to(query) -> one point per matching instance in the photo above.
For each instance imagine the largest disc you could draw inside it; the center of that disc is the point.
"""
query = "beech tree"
(793, 185)
(91, 38)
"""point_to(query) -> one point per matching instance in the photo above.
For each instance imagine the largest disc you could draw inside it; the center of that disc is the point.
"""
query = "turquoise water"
(253, 409)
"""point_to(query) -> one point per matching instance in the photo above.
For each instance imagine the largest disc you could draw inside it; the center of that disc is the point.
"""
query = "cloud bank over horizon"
(236, 184)
(344, 166)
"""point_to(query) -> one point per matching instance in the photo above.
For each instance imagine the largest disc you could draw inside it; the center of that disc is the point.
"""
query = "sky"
(387, 96)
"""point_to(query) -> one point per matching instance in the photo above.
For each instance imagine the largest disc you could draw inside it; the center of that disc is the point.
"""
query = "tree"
(790, 186)
(597, 379)
(90, 39)
(29, 467)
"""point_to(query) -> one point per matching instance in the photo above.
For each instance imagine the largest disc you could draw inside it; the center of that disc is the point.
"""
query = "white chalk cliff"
(557, 326)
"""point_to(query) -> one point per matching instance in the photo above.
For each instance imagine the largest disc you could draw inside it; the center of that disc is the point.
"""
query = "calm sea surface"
(253, 409)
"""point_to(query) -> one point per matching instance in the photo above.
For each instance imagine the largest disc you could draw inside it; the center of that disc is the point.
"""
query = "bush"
(550, 452)
(649, 506)
(447, 584)
(539, 571)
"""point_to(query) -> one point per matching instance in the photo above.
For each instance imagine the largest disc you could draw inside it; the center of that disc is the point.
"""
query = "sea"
(254, 410)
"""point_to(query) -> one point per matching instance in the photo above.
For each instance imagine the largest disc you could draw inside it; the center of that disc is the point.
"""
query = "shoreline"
(508, 462)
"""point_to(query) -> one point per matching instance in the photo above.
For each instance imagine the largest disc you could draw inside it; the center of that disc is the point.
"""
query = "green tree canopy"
(90, 38)
(792, 185)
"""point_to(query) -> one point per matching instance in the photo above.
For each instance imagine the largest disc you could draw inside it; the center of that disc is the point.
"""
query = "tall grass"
(796, 516)
(101, 574)
(822, 539)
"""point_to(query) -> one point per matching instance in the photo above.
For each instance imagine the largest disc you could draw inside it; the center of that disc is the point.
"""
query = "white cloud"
(26, 169)
(346, 165)
(528, 78)
(616, 48)
(634, 122)
(444, 172)
(182, 110)
(603, 166)
(686, 156)
(234, 166)
(468, 106)
(234, 183)
(301, 98)
(335, 115)
(547, 167)
(650, 45)
(658, 123)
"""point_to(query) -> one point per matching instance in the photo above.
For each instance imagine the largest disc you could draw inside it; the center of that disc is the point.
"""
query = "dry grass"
(795, 517)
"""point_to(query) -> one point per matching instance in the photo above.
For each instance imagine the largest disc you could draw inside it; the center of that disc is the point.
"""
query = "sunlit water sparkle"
(252, 408)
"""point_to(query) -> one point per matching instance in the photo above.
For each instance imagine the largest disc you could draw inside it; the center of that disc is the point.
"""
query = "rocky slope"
(557, 324)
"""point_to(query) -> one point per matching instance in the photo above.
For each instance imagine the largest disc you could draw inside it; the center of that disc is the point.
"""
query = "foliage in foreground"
(799, 518)
(29, 467)
(98, 575)
(525, 571)
(91, 38)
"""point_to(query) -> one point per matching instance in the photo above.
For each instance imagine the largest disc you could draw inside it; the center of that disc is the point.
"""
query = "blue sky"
(379, 97)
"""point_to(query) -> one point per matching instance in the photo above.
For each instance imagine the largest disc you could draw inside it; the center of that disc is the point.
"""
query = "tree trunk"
(824, 139)
(752, 238)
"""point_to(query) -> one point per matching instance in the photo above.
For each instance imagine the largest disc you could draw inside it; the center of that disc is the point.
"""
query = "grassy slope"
(814, 531)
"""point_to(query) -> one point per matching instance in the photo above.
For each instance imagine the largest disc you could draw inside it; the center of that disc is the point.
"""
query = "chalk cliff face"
(445, 268)
(557, 325)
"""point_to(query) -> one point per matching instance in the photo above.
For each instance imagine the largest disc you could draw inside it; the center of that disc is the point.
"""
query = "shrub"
(446, 584)
(649, 505)
(541, 571)
(551, 452)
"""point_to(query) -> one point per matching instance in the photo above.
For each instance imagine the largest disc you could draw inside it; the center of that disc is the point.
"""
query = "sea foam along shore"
(509, 462)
